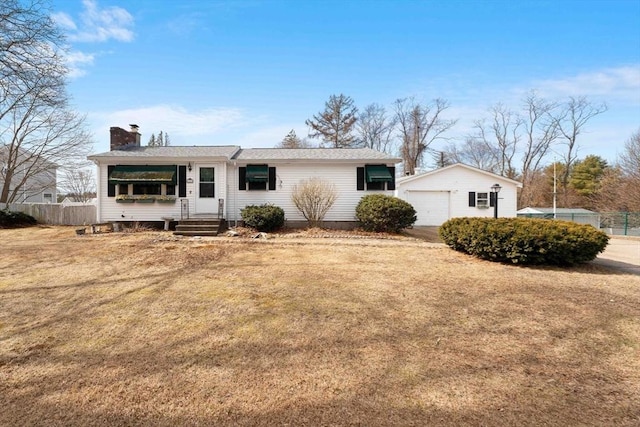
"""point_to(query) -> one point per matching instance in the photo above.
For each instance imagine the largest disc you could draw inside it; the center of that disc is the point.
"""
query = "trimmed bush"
(264, 217)
(9, 219)
(378, 212)
(524, 240)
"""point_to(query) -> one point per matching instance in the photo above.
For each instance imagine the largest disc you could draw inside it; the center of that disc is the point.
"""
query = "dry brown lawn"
(125, 329)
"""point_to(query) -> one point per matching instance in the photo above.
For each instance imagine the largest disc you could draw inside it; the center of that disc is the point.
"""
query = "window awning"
(378, 173)
(135, 174)
(257, 173)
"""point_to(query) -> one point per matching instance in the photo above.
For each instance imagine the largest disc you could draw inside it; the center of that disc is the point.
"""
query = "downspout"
(235, 194)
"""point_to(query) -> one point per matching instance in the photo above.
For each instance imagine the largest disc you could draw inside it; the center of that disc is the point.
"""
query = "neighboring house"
(69, 201)
(579, 215)
(457, 191)
(38, 186)
(151, 183)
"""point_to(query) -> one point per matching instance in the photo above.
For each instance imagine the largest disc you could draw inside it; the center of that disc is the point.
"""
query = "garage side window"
(481, 199)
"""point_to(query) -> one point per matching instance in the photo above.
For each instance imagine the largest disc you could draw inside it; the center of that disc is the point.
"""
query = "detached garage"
(457, 191)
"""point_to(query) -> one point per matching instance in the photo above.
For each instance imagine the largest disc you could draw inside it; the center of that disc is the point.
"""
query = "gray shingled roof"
(226, 151)
(362, 154)
(253, 154)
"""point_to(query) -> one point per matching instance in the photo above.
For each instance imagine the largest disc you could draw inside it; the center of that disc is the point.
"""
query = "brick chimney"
(122, 139)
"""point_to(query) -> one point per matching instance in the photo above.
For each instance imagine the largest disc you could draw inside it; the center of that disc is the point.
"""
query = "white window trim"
(482, 202)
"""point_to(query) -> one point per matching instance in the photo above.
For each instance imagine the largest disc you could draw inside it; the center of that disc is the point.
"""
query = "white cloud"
(176, 119)
(621, 83)
(98, 24)
(203, 127)
(75, 61)
(64, 20)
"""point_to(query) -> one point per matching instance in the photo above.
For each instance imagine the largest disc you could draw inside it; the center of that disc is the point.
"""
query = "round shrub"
(378, 212)
(10, 219)
(265, 217)
(524, 240)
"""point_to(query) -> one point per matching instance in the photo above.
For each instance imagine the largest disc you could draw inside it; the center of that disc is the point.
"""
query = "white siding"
(110, 210)
(459, 181)
(343, 176)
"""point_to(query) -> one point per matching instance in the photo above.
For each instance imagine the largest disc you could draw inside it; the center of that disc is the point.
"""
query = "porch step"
(200, 227)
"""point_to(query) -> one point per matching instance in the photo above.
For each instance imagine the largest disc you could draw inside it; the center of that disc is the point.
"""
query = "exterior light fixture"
(189, 166)
(495, 189)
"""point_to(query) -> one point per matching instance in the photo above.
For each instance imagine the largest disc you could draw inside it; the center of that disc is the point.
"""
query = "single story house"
(579, 215)
(136, 183)
(457, 190)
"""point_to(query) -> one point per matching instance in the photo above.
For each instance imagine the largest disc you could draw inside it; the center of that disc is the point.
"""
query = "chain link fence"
(620, 223)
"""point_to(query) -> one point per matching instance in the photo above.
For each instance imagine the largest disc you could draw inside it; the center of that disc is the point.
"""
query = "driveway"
(621, 254)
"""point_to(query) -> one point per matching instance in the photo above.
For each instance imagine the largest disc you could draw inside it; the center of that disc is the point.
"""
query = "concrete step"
(200, 227)
(195, 233)
(214, 222)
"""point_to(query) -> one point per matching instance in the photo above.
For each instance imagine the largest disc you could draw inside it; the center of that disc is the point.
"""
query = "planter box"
(145, 200)
(125, 201)
(165, 201)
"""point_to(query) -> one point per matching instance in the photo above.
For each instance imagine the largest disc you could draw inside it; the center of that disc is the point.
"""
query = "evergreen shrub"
(382, 213)
(265, 217)
(524, 240)
(10, 219)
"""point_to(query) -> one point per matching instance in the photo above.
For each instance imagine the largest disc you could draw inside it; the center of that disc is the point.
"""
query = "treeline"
(522, 143)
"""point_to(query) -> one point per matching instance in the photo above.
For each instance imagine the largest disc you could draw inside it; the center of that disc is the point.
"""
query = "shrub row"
(265, 217)
(524, 241)
(9, 219)
(381, 213)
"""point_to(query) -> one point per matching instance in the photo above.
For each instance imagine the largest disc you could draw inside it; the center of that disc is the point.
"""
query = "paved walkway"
(622, 254)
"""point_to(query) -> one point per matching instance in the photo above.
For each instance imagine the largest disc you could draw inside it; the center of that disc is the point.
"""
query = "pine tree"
(336, 123)
(162, 140)
(293, 141)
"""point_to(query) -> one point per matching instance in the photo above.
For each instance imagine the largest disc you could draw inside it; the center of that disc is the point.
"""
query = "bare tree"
(79, 185)
(570, 121)
(629, 159)
(629, 164)
(540, 132)
(294, 141)
(314, 197)
(419, 126)
(375, 129)
(38, 130)
(336, 123)
(472, 152)
(501, 134)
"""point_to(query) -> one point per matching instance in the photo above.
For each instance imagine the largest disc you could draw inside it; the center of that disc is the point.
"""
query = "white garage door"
(432, 206)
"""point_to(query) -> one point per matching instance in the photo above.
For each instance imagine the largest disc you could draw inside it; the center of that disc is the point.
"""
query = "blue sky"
(246, 72)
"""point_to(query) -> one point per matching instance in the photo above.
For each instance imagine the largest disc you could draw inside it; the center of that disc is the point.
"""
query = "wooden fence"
(56, 213)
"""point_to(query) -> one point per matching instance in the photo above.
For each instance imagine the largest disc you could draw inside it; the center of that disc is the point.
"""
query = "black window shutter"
(391, 185)
(182, 181)
(472, 199)
(111, 188)
(242, 178)
(492, 199)
(360, 179)
(272, 178)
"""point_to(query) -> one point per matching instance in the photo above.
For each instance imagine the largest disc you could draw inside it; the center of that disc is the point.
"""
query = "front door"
(206, 197)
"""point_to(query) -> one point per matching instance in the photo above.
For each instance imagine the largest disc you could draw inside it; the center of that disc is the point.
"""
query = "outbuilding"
(458, 190)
